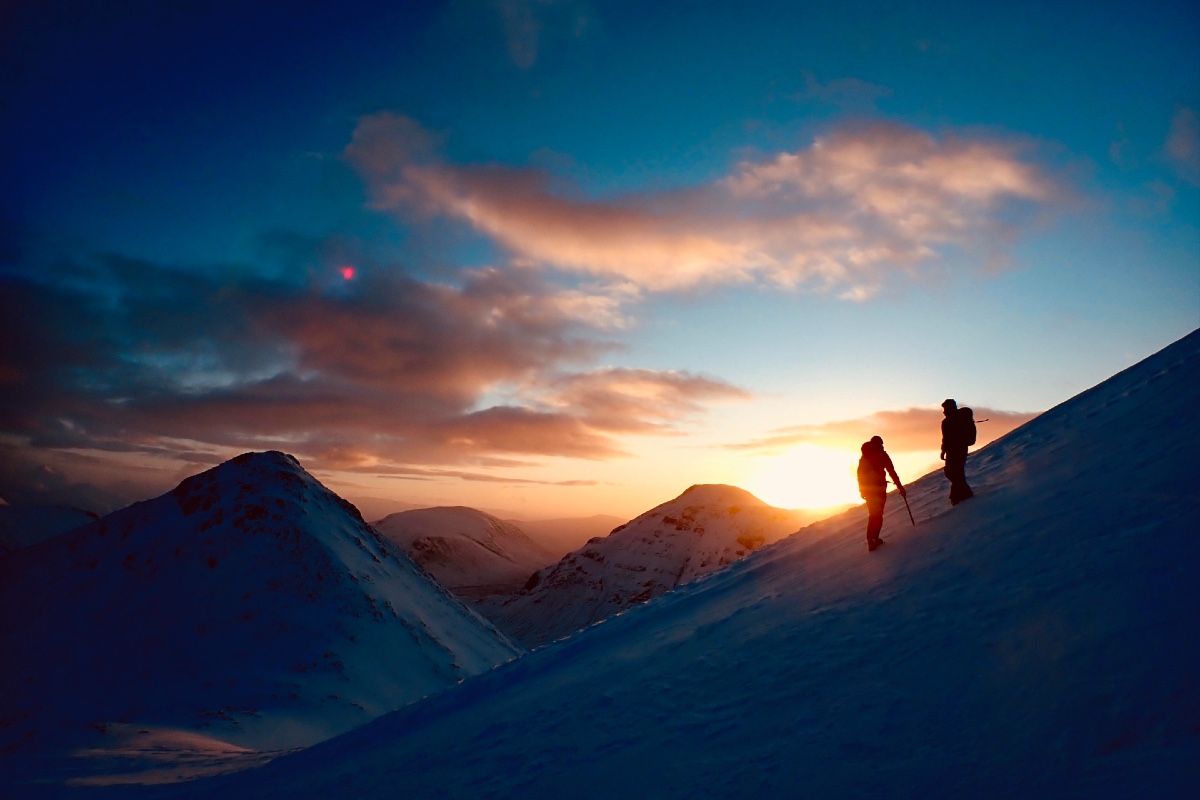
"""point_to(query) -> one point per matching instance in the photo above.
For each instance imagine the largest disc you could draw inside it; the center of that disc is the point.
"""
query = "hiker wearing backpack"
(958, 434)
(872, 486)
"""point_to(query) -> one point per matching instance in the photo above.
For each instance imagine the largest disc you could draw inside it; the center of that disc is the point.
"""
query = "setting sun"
(806, 476)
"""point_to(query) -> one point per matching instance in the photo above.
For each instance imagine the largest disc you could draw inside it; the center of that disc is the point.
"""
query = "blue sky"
(626, 238)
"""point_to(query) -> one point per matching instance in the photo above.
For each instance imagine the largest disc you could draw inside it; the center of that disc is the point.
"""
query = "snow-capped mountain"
(705, 528)
(1038, 640)
(250, 604)
(24, 526)
(469, 552)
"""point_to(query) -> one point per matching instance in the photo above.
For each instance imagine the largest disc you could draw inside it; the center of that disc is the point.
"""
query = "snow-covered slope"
(469, 552)
(23, 526)
(1036, 641)
(250, 604)
(704, 529)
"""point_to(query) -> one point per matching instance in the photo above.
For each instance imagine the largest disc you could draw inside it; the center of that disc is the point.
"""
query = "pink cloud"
(1183, 144)
(840, 215)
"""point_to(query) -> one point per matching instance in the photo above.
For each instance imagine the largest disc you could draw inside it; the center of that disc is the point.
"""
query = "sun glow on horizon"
(806, 476)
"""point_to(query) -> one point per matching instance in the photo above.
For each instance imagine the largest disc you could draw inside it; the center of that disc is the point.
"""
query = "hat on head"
(949, 402)
(877, 440)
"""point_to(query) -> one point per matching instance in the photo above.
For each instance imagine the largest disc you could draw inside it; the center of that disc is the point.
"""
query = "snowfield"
(471, 553)
(1038, 640)
(250, 607)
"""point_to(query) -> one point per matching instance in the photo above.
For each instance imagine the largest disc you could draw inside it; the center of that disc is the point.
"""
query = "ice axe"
(907, 507)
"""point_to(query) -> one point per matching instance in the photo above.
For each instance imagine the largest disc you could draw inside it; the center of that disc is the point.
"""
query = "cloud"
(639, 400)
(525, 23)
(843, 214)
(1152, 199)
(911, 429)
(424, 474)
(847, 93)
(512, 429)
(1183, 144)
(521, 30)
(383, 372)
(49, 477)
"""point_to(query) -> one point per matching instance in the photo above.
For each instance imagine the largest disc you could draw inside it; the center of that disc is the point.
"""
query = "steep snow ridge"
(1036, 641)
(469, 552)
(250, 604)
(24, 526)
(705, 528)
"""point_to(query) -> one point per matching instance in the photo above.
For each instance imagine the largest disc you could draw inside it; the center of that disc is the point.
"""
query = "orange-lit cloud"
(640, 400)
(383, 374)
(839, 215)
(370, 465)
(911, 429)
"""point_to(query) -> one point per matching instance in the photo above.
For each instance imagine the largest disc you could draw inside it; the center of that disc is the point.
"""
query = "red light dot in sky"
(347, 273)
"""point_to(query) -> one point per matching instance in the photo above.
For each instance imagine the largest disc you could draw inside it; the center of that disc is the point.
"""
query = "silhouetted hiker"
(872, 486)
(958, 434)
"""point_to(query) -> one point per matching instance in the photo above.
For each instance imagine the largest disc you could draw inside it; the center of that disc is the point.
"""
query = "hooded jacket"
(871, 468)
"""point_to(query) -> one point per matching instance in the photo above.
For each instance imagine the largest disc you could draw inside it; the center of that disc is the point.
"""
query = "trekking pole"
(904, 497)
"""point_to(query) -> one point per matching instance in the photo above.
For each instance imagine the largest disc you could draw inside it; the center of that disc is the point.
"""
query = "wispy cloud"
(852, 94)
(526, 23)
(369, 465)
(911, 429)
(1183, 144)
(842, 214)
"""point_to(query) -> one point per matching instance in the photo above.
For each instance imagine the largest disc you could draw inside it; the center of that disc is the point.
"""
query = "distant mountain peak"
(249, 474)
(465, 512)
(718, 492)
(266, 457)
(707, 527)
(470, 552)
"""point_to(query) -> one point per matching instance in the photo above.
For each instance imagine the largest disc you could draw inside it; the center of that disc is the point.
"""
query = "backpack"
(966, 425)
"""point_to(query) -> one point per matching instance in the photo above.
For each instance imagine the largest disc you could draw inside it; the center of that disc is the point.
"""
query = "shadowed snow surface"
(250, 604)
(1040, 638)
(25, 526)
(466, 550)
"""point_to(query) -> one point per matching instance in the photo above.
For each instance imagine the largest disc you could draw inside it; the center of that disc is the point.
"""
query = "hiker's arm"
(895, 478)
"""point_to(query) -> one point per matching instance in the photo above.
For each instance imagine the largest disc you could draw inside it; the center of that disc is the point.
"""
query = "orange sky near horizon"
(801, 474)
(802, 467)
